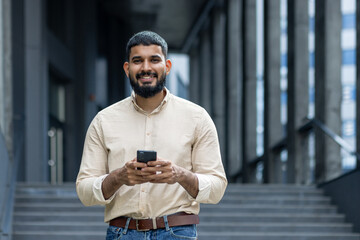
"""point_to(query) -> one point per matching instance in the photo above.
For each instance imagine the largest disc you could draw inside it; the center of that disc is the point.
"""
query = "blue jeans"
(179, 232)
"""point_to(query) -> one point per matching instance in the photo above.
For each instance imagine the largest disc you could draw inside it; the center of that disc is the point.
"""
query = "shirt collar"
(158, 109)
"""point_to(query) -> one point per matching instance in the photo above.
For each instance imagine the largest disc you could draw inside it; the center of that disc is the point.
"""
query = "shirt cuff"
(98, 194)
(204, 188)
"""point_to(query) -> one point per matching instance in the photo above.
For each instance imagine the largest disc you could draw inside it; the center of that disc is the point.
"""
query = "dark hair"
(146, 38)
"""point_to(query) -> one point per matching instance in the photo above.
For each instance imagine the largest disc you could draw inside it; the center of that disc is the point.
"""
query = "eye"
(136, 61)
(155, 60)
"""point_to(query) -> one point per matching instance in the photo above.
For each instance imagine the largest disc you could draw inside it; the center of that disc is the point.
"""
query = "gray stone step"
(95, 235)
(45, 199)
(271, 192)
(271, 217)
(222, 208)
(276, 227)
(58, 235)
(275, 200)
(61, 226)
(237, 235)
(205, 217)
(248, 212)
(56, 207)
(203, 227)
(268, 208)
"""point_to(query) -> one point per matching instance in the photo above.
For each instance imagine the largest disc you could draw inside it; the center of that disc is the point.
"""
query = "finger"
(158, 163)
(154, 170)
(160, 176)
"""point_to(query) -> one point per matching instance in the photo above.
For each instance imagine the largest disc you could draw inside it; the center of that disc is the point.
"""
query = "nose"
(146, 66)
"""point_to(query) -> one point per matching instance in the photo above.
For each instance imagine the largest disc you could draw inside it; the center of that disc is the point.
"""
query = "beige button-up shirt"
(180, 131)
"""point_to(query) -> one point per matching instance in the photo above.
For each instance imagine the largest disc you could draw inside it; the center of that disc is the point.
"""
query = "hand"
(128, 175)
(161, 171)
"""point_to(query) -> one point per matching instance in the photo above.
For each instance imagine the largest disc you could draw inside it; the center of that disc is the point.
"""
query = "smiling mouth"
(146, 78)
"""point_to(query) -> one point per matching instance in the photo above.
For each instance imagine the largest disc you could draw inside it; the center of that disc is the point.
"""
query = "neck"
(151, 103)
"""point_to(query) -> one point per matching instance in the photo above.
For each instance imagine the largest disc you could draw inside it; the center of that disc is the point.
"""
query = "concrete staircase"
(274, 212)
(247, 212)
(44, 212)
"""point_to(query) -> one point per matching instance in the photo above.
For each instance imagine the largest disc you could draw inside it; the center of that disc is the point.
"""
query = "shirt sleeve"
(207, 163)
(93, 168)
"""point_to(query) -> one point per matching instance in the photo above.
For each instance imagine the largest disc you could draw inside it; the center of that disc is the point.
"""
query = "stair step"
(56, 207)
(94, 235)
(265, 208)
(276, 200)
(223, 208)
(59, 216)
(58, 235)
(277, 236)
(203, 227)
(270, 217)
(206, 217)
(48, 199)
(270, 192)
(276, 227)
(252, 212)
(61, 226)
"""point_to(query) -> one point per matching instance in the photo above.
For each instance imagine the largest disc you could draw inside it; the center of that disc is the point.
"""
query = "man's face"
(147, 70)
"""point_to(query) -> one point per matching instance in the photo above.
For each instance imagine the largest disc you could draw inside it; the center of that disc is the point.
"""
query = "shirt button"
(148, 134)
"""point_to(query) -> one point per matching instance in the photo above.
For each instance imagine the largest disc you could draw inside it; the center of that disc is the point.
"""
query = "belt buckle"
(137, 226)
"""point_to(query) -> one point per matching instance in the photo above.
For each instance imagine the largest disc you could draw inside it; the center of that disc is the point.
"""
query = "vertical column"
(249, 103)
(36, 86)
(327, 86)
(358, 78)
(194, 90)
(115, 50)
(205, 66)
(89, 48)
(218, 73)
(272, 122)
(18, 82)
(6, 98)
(298, 90)
(85, 58)
(234, 87)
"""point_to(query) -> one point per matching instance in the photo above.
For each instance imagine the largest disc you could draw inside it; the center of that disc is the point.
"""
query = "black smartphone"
(145, 156)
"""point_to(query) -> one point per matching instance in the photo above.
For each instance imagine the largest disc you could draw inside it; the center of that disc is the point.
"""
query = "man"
(160, 199)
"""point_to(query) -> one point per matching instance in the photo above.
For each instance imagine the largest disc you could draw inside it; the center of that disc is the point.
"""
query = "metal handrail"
(305, 128)
(8, 205)
(335, 137)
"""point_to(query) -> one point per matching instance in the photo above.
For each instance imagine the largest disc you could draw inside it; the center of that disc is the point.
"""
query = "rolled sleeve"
(207, 163)
(90, 192)
(97, 191)
(93, 168)
(204, 188)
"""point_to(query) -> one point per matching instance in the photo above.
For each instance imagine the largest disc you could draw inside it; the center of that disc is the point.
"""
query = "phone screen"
(145, 156)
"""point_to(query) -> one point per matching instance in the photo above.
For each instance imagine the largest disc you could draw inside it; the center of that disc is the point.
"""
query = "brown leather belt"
(178, 219)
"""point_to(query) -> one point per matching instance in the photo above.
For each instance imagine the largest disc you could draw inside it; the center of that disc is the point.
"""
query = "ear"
(126, 68)
(168, 66)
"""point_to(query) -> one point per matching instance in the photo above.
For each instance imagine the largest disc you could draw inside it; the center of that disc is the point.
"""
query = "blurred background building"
(278, 77)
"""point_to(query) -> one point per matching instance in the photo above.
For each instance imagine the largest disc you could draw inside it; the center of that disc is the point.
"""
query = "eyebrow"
(139, 57)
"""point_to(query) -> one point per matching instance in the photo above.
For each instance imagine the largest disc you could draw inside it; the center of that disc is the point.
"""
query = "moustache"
(143, 74)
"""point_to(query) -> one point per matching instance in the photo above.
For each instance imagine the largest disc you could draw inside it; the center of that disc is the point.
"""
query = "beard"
(146, 91)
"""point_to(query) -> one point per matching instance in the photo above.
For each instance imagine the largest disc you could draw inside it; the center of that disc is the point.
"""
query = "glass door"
(56, 131)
